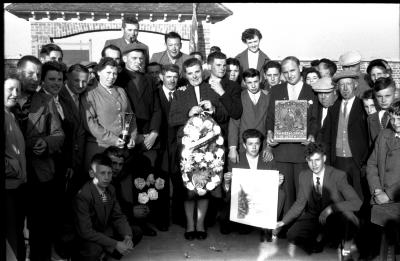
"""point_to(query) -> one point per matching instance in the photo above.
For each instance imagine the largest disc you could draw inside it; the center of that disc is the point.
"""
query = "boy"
(368, 101)
(250, 159)
(98, 215)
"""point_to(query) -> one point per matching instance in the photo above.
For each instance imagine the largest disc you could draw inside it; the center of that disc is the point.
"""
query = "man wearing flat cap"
(345, 131)
(327, 96)
(351, 61)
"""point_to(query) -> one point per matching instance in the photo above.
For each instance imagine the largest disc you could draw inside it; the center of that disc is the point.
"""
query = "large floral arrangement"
(202, 154)
(148, 188)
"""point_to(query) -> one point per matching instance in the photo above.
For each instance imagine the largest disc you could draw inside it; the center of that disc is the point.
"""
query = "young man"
(325, 205)
(369, 101)
(51, 52)
(326, 68)
(384, 90)
(153, 70)
(250, 158)
(101, 226)
(233, 69)
(272, 75)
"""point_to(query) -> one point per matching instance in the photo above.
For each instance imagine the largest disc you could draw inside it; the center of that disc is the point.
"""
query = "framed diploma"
(290, 121)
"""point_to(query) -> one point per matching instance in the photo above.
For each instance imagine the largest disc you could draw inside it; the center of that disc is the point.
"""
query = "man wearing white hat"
(350, 61)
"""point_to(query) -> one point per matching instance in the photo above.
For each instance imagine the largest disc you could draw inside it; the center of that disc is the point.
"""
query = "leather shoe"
(148, 231)
(190, 235)
(201, 235)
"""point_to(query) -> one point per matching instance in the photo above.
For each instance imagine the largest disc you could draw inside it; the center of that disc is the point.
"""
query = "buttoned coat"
(374, 127)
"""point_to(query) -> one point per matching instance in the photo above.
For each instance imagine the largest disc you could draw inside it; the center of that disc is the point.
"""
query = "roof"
(216, 11)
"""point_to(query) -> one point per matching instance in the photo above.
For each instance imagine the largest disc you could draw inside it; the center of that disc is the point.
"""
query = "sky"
(308, 31)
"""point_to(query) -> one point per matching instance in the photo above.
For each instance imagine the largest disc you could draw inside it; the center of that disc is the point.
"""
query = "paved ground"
(172, 246)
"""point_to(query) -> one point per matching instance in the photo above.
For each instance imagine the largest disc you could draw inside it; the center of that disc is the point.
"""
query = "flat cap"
(132, 47)
(345, 74)
(323, 85)
(378, 62)
(350, 58)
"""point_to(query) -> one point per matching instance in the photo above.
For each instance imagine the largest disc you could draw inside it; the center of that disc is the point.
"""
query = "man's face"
(252, 84)
(218, 67)
(327, 98)
(54, 56)
(170, 79)
(12, 91)
(347, 87)
(173, 46)
(377, 72)
(233, 72)
(354, 68)
(323, 70)
(77, 81)
(102, 175)
(117, 165)
(385, 97)
(53, 82)
(131, 32)
(30, 77)
(154, 72)
(253, 44)
(115, 55)
(134, 61)
(311, 78)
(395, 121)
(273, 76)
(252, 146)
(316, 162)
(291, 72)
(369, 106)
(194, 75)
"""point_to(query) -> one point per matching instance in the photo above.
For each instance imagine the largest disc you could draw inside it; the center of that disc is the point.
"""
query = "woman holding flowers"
(197, 98)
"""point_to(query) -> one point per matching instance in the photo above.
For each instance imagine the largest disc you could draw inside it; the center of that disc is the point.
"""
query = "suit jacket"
(336, 192)
(357, 132)
(253, 117)
(94, 219)
(121, 44)
(244, 61)
(163, 58)
(145, 103)
(292, 152)
(374, 127)
(43, 122)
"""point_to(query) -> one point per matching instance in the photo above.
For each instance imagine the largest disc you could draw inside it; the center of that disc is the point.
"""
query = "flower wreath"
(202, 154)
(150, 192)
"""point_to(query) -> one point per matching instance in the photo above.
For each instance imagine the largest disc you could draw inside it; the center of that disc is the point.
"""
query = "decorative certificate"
(254, 197)
(290, 121)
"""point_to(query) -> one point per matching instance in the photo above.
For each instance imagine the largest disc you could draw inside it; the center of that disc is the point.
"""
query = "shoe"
(225, 228)
(190, 235)
(201, 235)
(244, 229)
(162, 227)
(148, 231)
(266, 235)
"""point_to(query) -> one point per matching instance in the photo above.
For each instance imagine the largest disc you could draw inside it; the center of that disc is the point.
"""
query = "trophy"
(126, 123)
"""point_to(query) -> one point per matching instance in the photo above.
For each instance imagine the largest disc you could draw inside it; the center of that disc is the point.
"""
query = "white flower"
(198, 157)
(186, 153)
(217, 129)
(216, 179)
(218, 169)
(159, 183)
(197, 122)
(150, 180)
(310, 102)
(219, 153)
(143, 198)
(201, 191)
(182, 88)
(140, 183)
(190, 186)
(153, 194)
(207, 124)
(203, 165)
(220, 140)
(211, 185)
(185, 177)
(208, 156)
(185, 141)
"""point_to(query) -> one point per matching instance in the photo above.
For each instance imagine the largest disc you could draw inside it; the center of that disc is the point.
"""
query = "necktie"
(345, 109)
(59, 108)
(171, 96)
(384, 119)
(318, 187)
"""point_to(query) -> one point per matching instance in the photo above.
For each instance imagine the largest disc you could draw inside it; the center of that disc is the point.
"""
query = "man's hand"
(381, 197)
(233, 155)
(128, 241)
(279, 224)
(207, 105)
(195, 110)
(281, 178)
(324, 214)
(150, 139)
(217, 87)
(140, 211)
(309, 139)
(122, 247)
(131, 143)
(267, 154)
(227, 179)
(40, 146)
(270, 139)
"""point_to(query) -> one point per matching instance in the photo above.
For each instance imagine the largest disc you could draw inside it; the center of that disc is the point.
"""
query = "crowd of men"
(81, 194)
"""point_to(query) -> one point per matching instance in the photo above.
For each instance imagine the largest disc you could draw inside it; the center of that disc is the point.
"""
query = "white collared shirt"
(321, 178)
(380, 114)
(253, 58)
(348, 107)
(294, 90)
(254, 97)
(253, 162)
(167, 91)
(197, 91)
(324, 113)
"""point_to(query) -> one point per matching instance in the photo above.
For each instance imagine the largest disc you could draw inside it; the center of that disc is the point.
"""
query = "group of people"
(92, 151)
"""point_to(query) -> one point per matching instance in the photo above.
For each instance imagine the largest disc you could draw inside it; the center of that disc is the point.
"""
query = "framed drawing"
(254, 197)
(290, 121)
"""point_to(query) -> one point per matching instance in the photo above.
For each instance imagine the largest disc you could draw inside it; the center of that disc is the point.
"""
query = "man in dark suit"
(345, 133)
(144, 102)
(252, 57)
(324, 206)
(288, 156)
(130, 30)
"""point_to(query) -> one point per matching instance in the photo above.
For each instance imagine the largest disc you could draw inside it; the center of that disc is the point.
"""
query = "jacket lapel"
(36, 110)
(98, 204)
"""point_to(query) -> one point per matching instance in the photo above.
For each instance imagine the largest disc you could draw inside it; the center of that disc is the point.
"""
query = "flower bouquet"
(148, 189)
(202, 154)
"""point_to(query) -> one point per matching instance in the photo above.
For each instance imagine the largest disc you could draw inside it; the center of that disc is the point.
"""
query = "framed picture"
(290, 121)
(254, 197)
